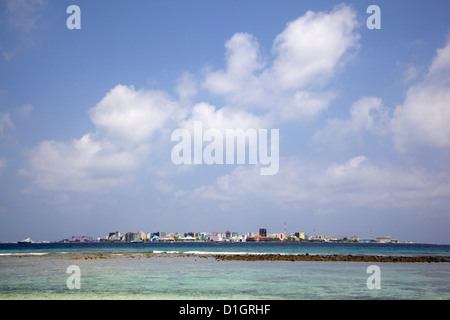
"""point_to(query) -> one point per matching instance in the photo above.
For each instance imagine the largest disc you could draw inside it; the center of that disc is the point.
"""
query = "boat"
(27, 240)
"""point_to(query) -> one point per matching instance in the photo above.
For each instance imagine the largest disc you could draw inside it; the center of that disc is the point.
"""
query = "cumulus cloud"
(238, 82)
(422, 120)
(126, 115)
(311, 48)
(222, 119)
(80, 165)
(260, 91)
(305, 55)
(126, 120)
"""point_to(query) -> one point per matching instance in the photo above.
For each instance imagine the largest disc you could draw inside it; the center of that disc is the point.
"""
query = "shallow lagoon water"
(25, 275)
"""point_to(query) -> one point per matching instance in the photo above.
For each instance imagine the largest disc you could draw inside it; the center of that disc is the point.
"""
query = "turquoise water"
(44, 276)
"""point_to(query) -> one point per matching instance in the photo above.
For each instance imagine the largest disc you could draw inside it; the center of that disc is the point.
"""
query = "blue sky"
(86, 117)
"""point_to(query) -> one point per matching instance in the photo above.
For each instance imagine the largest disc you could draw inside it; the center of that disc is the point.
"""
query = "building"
(129, 236)
(263, 232)
(278, 236)
(258, 238)
(165, 238)
(216, 238)
(386, 239)
(140, 236)
(114, 236)
(319, 238)
(300, 235)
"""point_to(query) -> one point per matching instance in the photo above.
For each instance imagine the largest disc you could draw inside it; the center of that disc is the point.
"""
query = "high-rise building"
(129, 236)
(263, 232)
(141, 236)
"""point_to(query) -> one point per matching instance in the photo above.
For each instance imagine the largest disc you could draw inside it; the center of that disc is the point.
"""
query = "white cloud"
(310, 49)
(187, 87)
(80, 165)
(223, 118)
(441, 63)
(126, 121)
(339, 171)
(304, 104)
(205, 117)
(423, 118)
(367, 115)
(306, 55)
(421, 121)
(356, 183)
(239, 82)
(126, 115)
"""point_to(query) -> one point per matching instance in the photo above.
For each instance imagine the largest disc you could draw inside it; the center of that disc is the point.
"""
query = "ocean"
(49, 271)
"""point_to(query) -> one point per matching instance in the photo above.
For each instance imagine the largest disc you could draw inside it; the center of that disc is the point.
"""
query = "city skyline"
(225, 236)
(345, 109)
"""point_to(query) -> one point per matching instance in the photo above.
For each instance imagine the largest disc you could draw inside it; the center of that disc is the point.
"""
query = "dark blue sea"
(234, 247)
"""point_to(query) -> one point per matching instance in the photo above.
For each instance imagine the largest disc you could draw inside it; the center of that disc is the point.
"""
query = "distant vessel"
(27, 240)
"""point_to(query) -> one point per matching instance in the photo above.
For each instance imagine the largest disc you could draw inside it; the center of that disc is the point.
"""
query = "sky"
(87, 117)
